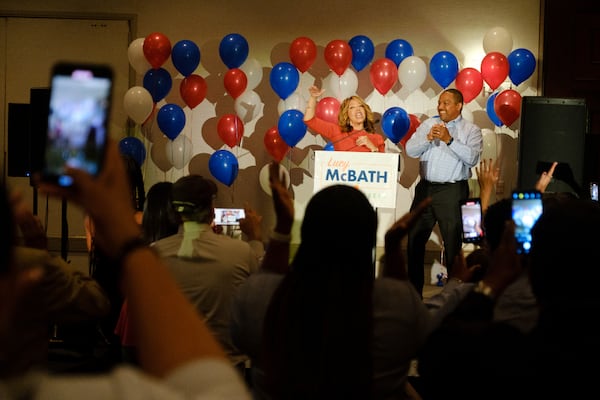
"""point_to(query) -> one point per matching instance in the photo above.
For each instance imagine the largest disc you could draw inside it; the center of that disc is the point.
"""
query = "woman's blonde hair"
(344, 120)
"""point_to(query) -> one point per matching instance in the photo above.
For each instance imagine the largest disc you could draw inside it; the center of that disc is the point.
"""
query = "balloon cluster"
(399, 65)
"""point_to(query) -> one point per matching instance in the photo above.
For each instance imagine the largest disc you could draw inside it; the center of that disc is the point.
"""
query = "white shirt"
(199, 380)
(440, 162)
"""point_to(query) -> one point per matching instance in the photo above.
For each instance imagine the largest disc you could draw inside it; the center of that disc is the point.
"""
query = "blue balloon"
(444, 68)
(489, 108)
(521, 64)
(362, 51)
(133, 147)
(171, 120)
(233, 50)
(185, 56)
(397, 50)
(291, 127)
(328, 147)
(284, 79)
(223, 166)
(158, 82)
(395, 123)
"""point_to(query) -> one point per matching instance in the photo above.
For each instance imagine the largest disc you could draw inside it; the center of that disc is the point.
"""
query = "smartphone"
(526, 209)
(79, 108)
(470, 213)
(229, 216)
(594, 191)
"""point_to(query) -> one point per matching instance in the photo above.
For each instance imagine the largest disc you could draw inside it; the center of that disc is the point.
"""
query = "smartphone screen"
(229, 216)
(470, 212)
(80, 97)
(526, 209)
(594, 191)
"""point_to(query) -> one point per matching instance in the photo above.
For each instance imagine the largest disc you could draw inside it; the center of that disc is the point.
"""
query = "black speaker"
(39, 102)
(553, 129)
(18, 140)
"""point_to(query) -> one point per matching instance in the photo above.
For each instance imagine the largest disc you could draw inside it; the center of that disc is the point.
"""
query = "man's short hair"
(193, 194)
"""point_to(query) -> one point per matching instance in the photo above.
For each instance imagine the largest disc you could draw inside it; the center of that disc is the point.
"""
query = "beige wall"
(270, 27)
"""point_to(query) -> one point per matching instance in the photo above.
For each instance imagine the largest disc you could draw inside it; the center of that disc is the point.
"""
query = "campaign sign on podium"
(375, 174)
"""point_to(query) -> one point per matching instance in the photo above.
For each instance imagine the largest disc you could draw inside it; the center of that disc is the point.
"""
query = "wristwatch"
(450, 141)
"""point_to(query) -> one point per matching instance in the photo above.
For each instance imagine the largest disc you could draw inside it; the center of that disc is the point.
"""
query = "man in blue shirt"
(448, 146)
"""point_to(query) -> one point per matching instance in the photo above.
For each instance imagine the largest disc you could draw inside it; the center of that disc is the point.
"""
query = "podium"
(375, 174)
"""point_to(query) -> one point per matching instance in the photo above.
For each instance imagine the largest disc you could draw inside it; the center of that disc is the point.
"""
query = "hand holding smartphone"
(80, 99)
(470, 213)
(526, 209)
(229, 216)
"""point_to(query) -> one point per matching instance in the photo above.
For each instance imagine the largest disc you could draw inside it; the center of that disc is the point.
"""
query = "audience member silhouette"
(208, 266)
(64, 295)
(323, 327)
(556, 358)
(159, 220)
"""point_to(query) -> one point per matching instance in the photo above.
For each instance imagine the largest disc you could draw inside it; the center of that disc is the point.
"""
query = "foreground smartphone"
(470, 213)
(229, 216)
(594, 191)
(526, 209)
(80, 99)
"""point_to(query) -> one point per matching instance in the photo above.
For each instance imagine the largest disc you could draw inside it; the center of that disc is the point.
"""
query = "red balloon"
(507, 106)
(235, 82)
(328, 109)
(275, 145)
(383, 74)
(230, 129)
(303, 53)
(157, 49)
(193, 90)
(494, 69)
(470, 83)
(338, 55)
(414, 124)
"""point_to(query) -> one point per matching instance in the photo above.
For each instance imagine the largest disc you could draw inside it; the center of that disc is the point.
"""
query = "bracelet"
(129, 246)
(281, 237)
(450, 141)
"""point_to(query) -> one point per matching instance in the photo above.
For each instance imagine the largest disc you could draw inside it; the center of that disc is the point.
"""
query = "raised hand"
(545, 178)
(282, 200)
(488, 174)
(394, 262)
(250, 225)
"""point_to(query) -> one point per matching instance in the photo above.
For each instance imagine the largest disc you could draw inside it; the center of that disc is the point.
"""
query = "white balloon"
(412, 72)
(137, 59)
(247, 105)
(498, 39)
(138, 104)
(490, 144)
(179, 151)
(343, 86)
(263, 178)
(293, 102)
(253, 71)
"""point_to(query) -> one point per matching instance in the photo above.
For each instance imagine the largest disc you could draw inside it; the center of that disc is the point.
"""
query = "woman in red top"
(355, 130)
